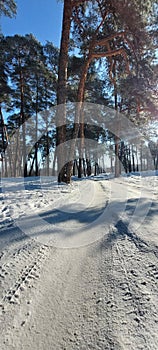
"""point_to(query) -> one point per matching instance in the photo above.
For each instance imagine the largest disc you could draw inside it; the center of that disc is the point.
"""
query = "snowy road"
(100, 293)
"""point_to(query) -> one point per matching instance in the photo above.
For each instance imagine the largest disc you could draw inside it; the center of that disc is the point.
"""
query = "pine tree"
(8, 8)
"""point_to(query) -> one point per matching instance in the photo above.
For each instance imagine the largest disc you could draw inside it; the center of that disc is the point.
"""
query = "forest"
(62, 109)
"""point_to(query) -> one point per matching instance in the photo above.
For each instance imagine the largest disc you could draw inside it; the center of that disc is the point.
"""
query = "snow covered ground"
(79, 263)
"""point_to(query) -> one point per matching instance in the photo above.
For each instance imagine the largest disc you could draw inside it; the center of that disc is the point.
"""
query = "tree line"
(107, 57)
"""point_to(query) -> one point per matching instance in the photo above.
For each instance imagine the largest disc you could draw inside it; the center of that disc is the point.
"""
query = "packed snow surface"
(79, 263)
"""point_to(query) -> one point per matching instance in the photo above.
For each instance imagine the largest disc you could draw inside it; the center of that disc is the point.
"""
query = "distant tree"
(20, 53)
(154, 152)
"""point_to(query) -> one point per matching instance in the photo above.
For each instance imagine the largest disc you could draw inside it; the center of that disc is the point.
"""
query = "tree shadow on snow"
(64, 217)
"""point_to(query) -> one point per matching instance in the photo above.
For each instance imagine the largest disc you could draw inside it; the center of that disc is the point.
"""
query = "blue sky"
(42, 18)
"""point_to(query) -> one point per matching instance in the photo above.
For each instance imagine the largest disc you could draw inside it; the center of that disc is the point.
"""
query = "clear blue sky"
(42, 18)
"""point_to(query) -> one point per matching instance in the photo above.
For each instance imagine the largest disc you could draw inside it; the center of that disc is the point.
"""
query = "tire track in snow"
(20, 269)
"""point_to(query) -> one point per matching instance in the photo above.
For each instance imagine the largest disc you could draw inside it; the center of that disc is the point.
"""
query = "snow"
(79, 263)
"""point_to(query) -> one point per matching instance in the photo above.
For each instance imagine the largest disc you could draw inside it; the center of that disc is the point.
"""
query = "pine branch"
(102, 22)
(108, 38)
(112, 53)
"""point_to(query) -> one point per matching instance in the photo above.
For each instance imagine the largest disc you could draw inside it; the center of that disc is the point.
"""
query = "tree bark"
(61, 91)
(22, 116)
(79, 121)
(117, 140)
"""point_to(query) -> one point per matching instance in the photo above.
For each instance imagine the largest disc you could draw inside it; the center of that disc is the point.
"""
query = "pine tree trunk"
(129, 161)
(141, 157)
(22, 116)
(117, 166)
(54, 161)
(61, 91)
(80, 98)
(80, 168)
(88, 167)
(79, 122)
(117, 140)
(16, 157)
(2, 141)
(47, 151)
(133, 160)
(36, 133)
(31, 168)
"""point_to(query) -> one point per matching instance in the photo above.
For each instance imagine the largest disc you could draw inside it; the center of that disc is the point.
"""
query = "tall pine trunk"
(117, 141)
(3, 145)
(62, 91)
(22, 117)
(80, 98)
(36, 132)
(79, 122)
